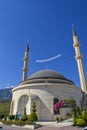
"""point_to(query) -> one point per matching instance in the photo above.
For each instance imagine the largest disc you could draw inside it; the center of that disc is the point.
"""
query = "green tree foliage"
(5, 107)
(81, 122)
(2, 116)
(11, 117)
(25, 111)
(74, 116)
(24, 116)
(84, 114)
(33, 107)
(71, 102)
(33, 116)
(79, 117)
(79, 112)
(57, 119)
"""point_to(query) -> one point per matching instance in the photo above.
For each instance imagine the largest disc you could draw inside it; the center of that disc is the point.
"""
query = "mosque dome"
(46, 74)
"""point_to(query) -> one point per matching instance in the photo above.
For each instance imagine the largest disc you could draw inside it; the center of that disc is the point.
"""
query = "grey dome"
(49, 76)
(46, 74)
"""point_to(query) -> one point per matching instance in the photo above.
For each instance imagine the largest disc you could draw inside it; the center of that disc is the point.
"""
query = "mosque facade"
(46, 88)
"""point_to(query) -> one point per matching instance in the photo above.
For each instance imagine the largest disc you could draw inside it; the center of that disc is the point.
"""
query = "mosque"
(47, 87)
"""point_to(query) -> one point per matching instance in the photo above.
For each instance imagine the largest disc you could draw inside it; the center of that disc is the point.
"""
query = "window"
(55, 101)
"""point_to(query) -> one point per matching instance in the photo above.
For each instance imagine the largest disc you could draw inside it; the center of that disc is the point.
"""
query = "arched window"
(55, 101)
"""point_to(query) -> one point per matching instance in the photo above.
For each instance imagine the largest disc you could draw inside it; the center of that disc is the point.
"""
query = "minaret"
(25, 68)
(78, 58)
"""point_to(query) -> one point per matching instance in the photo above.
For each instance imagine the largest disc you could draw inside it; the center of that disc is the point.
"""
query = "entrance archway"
(22, 104)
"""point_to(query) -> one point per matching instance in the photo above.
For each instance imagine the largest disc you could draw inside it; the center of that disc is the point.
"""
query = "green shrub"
(20, 122)
(2, 116)
(7, 122)
(11, 117)
(29, 123)
(61, 119)
(33, 107)
(78, 111)
(17, 122)
(16, 116)
(74, 116)
(84, 115)
(71, 102)
(79, 117)
(57, 119)
(33, 117)
(24, 117)
(25, 111)
(81, 122)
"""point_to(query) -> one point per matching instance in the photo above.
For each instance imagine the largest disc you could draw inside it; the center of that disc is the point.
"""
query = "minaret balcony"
(76, 45)
(25, 69)
(78, 57)
(25, 58)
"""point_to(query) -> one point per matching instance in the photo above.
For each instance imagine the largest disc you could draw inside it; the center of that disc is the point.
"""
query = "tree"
(84, 114)
(5, 107)
(79, 112)
(71, 102)
(74, 116)
(33, 116)
(24, 116)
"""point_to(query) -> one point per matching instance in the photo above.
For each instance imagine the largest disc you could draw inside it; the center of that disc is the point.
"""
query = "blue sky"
(47, 24)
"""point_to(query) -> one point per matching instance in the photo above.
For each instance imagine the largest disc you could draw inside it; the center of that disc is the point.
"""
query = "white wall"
(45, 93)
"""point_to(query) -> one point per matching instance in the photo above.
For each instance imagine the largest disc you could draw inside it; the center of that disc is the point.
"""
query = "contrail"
(49, 59)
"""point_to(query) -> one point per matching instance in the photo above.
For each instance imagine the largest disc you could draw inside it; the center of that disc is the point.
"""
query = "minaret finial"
(27, 48)
(74, 31)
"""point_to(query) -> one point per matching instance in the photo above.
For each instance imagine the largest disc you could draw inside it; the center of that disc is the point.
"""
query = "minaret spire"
(25, 68)
(74, 31)
(27, 48)
(78, 58)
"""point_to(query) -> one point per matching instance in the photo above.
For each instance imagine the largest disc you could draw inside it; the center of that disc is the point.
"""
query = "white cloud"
(10, 86)
(49, 59)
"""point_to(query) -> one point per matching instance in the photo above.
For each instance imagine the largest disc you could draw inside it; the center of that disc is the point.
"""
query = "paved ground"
(67, 122)
(65, 125)
(12, 128)
(59, 128)
(41, 128)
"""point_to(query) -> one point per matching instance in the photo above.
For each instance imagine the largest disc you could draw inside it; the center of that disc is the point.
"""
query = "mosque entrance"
(22, 104)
